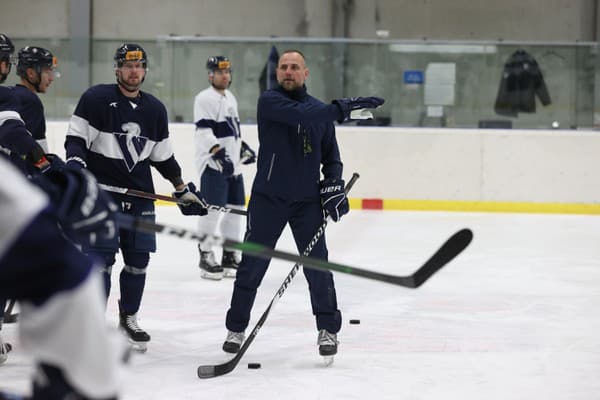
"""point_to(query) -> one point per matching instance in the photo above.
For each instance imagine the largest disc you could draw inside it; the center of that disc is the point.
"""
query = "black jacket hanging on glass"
(521, 81)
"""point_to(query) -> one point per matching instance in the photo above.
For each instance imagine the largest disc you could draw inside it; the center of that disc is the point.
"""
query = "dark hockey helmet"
(36, 58)
(130, 52)
(218, 62)
(6, 47)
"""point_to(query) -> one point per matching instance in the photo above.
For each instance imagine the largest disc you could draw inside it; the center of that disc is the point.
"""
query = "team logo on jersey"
(113, 104)
(234, 126)
(131, 143)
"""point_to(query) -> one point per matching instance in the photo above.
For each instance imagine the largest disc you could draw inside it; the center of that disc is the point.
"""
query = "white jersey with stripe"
(217, 122)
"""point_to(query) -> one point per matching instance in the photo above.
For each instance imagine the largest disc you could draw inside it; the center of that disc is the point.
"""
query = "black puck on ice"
(254, 365)
(355, 321)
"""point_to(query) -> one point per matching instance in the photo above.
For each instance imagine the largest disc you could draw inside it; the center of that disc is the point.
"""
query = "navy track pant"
(267, 217)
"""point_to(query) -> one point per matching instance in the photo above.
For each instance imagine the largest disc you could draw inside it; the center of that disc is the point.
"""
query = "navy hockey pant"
(267, 217)
(219, 190)
(135, 248)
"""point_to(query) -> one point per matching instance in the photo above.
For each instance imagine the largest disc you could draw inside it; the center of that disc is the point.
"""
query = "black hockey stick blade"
(446, 253)
(211, 371)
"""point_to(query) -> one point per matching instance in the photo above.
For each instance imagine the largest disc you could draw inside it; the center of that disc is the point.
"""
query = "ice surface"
(516, 316)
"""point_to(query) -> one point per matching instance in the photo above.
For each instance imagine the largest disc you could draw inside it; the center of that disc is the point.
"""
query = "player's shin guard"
(67, 334)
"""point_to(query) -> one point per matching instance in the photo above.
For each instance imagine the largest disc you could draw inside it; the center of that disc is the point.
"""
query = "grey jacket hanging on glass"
(521, 81)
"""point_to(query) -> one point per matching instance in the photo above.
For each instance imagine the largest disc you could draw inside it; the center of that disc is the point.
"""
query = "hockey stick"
(9, 317)
(210, 371)
(153, 196)
(450, 249)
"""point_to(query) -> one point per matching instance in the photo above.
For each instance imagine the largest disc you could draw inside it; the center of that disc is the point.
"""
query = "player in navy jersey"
(220, 152)
(15, 142)
(118, 132)
(59, 289)
(36, 67)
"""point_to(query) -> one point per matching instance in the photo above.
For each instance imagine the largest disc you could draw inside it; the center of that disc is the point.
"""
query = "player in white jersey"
(61, 321)
(219, 153)
(118, 132)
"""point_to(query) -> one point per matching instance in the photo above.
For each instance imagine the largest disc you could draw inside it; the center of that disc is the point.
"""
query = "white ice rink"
(516, 316)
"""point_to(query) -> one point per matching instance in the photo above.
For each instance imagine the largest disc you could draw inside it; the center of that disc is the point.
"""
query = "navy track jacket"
(296, 136)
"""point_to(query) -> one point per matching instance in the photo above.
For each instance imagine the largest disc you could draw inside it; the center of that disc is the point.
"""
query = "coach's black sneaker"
(233, 342)
(328, 343)
(229, 263)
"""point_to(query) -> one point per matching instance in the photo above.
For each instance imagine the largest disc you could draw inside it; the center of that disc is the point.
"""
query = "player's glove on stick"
(333, 198)
(347, 105)
(191, 202)
(84, 210)
(247, 155)
(223, 161)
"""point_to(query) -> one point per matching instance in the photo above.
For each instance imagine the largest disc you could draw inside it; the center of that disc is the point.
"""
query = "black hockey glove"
(191, 202)
(350, 104)
(333, 198)
(247, 155)
(84, 211)
(224, 162)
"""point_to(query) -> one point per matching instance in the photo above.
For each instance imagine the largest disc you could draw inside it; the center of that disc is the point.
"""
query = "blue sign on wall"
(414, 77)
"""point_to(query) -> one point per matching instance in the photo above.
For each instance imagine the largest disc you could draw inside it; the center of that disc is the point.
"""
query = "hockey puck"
(355, 321)
(254, 365)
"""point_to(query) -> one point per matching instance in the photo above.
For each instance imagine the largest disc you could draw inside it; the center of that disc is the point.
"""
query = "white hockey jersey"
(217, 122)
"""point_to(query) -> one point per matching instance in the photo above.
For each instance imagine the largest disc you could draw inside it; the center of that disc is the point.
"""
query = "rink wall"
(556, 171)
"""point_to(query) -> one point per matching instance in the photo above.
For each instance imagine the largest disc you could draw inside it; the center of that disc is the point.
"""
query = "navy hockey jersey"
(31, 109)
(118, 138)
(15, 140)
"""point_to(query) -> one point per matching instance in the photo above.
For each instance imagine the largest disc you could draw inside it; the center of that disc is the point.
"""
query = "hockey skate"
(233, 342)
(328, 344)
(229, 264)
(209, 269)
(138, 338)
(5, 348)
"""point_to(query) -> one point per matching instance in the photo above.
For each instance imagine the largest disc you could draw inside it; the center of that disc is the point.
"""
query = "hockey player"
(296, 136)
(36, 67)
(118, 132)
(219, 153)
(15, 139)
(59, 289)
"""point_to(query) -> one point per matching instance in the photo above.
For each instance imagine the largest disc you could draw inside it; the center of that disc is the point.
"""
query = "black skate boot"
(328, 344)
(229, 264)
(138, 338)
(233, 342)
(209, 269)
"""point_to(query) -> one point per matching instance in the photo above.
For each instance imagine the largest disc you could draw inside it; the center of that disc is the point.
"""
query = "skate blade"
(327, 360)
(138, 347)
(229, 273)
(215, 276)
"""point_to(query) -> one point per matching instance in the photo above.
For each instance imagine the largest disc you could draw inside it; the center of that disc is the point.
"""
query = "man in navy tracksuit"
(296, 136)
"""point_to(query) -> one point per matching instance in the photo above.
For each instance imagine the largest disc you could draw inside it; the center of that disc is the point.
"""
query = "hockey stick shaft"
(210, 371)
(450, 249)
(154, 196)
